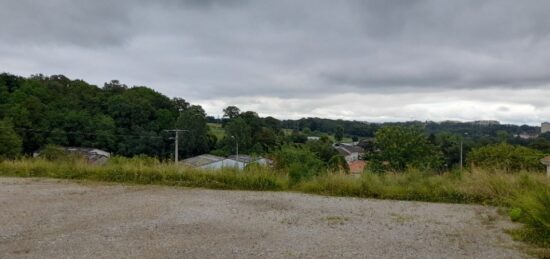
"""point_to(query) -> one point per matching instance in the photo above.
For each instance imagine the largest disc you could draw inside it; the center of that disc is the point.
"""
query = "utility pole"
(176, 141)
(461, 150)
(461, 140)
(237, 146)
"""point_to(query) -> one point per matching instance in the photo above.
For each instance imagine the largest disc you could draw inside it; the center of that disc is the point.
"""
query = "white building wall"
(352, 157)
(230, 163)
(213, 166)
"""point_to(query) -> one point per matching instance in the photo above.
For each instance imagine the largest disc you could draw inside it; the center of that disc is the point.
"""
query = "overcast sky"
(363, 60)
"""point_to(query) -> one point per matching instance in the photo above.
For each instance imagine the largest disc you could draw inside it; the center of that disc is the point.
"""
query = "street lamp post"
(237, 147)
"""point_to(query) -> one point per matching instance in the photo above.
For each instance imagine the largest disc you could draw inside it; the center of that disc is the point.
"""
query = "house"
(350, 152)
(313, 138)
(527, 135)
(212, 162)
(92, 155)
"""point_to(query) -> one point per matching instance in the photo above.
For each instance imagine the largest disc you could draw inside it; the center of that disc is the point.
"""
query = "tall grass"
(527, 194)
(471, 187)
(143, 171)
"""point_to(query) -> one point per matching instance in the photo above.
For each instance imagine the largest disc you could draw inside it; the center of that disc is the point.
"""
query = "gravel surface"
(58, 219)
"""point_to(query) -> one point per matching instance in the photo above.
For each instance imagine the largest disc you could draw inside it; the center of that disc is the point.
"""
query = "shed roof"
(348, 149)
(202, 160)
(247, 159)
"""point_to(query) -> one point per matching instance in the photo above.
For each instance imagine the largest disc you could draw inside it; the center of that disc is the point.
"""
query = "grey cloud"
(309, 49)
(85, 23)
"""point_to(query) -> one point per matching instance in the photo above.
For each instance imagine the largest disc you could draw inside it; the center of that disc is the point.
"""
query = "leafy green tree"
(195, 140)
(300, 163)
(403, 147)
(238, 131)
(502, 135)
(180, 104)
(273, 124)
(266, 138)
(298, 137)
(449, 145)
(58, 137)
(506, 157)
(323, 150)
(338, 164)
(541, 144)
(10, 142)
(231, 112)
(339, 135)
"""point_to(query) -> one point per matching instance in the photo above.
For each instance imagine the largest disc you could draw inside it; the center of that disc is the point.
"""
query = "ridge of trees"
(41, 110)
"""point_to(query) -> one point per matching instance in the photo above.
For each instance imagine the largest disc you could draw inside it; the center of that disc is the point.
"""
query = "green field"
(217, 130)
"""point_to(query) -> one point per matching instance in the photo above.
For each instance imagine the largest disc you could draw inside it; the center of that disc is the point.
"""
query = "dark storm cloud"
(307, 49)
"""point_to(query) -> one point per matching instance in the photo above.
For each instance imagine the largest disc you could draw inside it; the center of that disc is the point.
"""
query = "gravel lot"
(58, 219)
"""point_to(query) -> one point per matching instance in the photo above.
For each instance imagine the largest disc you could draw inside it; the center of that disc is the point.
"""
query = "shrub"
(404, 147)
(534, 208)
(506, 157)
(10, 142)
(338, 164)
(515, 214)
(55, 153)
(300, 163)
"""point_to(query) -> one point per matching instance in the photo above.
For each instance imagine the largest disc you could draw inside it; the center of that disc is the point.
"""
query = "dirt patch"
(57, 219)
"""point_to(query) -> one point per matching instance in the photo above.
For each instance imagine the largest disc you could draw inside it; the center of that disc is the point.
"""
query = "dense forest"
(366, 129)
(124, 120)
(128, 121)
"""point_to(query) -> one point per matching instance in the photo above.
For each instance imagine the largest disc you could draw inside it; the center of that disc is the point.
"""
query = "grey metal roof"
(348, 149)
(202, 160)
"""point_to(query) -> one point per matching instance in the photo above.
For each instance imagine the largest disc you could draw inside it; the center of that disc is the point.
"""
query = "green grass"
(217, 130)
(526, 195)
(139, 172)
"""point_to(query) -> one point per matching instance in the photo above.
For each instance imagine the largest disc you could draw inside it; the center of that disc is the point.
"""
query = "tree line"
(128, 121)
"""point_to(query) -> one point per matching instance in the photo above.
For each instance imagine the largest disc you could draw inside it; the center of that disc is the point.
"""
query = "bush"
(400, 148)
(10, 143)
(141, 170)
(534, 210)
(300, 163)
(338, 164)
(515, 214)
(506, 157)
(55, 153)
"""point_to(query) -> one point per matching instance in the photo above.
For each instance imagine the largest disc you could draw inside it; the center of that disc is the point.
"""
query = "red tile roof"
(357, 166)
